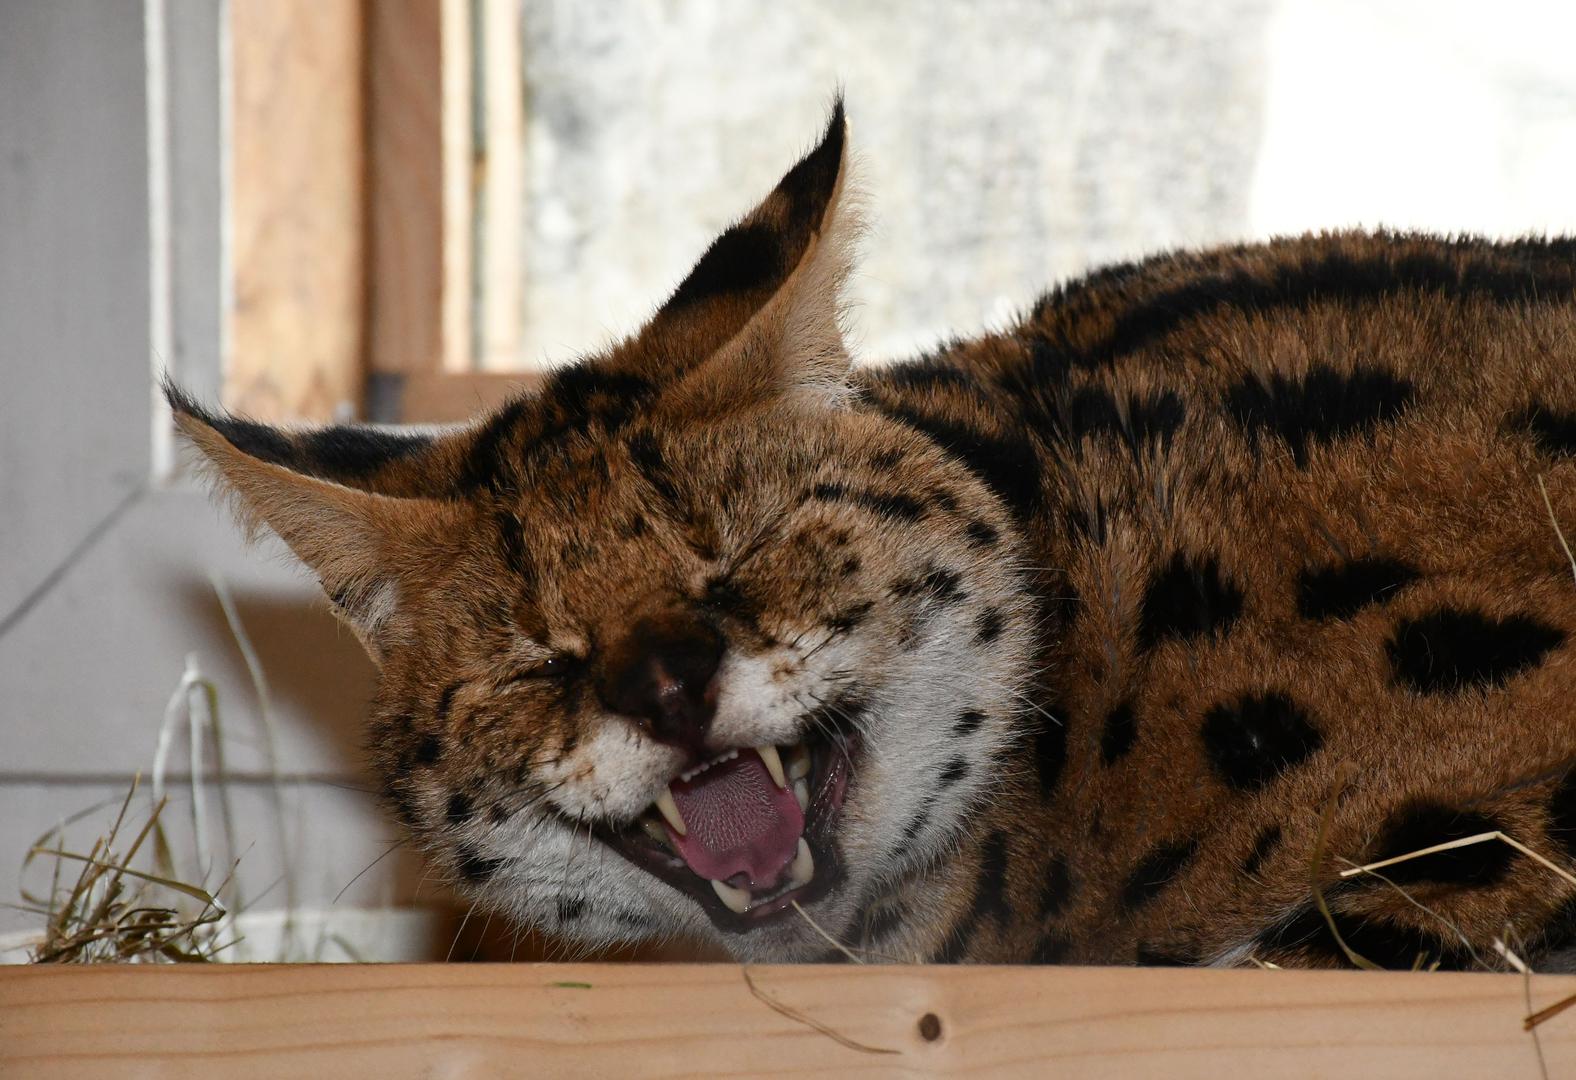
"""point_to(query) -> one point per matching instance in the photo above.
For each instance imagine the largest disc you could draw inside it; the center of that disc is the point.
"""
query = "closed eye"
(557, 667)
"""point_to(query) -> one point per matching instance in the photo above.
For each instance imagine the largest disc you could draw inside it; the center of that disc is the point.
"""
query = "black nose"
(661, 676)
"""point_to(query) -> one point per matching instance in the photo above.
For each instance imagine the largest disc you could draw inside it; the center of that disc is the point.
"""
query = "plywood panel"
(685, 1020)
(298, 209)
(420, 183)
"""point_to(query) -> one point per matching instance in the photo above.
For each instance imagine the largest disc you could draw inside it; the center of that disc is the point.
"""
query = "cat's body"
(1086, 625)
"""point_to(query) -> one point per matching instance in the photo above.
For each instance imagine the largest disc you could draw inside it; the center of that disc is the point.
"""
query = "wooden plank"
(298, 164)
(703, 1019)
(418, 312)
(498, 234)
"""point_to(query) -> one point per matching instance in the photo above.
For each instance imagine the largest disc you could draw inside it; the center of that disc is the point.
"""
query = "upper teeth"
(688, 774)
(774, 764)
(670, 811)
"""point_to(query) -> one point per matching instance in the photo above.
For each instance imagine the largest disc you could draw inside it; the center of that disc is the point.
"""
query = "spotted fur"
(1120, 600)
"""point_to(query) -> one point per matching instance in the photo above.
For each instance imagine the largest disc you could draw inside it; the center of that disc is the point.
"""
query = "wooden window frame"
(364, 175)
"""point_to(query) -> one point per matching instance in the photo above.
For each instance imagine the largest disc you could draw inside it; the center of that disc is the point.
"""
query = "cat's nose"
(662, 676)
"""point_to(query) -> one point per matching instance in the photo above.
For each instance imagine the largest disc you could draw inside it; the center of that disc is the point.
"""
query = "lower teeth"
(800, 872)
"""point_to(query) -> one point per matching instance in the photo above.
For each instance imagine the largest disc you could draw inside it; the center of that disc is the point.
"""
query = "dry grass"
(111, 912)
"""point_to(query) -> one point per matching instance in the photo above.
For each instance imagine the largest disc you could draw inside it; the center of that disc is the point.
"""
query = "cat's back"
(1285, 509)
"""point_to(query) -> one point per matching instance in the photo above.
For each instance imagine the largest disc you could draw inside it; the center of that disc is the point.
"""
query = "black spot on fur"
(982, 534)
(1057, 889)
(1424, 824)
(1119, 733)
(881, 923)
(953, 771)
(1553, 432)
(428, 750)
(1151, 417)
(1320, 407)
(459, 809)
(485, 465)
(353, 452)
(1050, 949)
(649, 460)
(941, 583)
(912, 830)
(497, 813)
(1162, 956)
(968, 722)
(1499, 276)
(570, 908)
(579, 393)
(1340, 591)
(1451, 649)
(1154, 872)
(1254, 739)
(445, 702)
(926, 374)
(1397, 948)
(511, 541)
(988, 626)
(1007, 464)
(1050, 752)
(1186, 600)
(882, 504)
(990, 896)
(1266, 842)
(850, 617)
(475, 867)
(745, 258)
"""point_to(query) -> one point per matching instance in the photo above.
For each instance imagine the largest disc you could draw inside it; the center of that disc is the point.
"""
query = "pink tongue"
(738, 822)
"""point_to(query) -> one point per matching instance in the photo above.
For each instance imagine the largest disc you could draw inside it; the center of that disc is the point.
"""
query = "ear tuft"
(762, 312)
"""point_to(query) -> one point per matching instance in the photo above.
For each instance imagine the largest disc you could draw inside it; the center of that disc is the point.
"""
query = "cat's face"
(686, 639)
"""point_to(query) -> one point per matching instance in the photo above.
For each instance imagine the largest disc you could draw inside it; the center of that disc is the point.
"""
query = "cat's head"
(685, 636)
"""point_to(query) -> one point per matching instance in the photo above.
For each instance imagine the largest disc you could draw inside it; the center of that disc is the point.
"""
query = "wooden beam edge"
(676, 1019)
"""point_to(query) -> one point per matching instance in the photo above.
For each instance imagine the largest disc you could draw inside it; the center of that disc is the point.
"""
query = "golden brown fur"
(1119, 594)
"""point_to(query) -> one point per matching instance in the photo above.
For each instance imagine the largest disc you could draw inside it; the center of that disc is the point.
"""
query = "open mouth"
(750, 831)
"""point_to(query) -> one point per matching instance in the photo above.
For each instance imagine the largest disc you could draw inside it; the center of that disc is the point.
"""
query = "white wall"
(104, 568)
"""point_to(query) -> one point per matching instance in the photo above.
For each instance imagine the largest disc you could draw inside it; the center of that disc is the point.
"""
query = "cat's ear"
(364, 546)
(763, 305)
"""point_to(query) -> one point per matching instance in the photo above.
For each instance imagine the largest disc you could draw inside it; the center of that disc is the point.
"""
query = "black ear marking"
(759, 252)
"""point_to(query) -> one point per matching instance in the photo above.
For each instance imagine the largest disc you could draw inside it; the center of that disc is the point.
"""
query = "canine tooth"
(801, 791)
(803, 868)
(670, 811)
(654, 829)
(798, 762)
(737, 900)
(774, 765)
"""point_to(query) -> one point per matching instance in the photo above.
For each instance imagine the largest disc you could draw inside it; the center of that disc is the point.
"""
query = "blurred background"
(397, 209)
